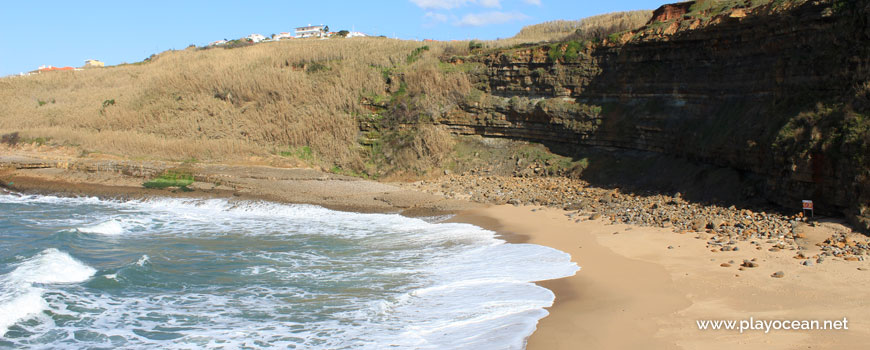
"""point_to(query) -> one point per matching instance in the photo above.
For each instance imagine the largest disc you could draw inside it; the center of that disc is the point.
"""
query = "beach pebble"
(725, 265)
(778, 274)
(748, 263)
(807, 263)
(670, 247)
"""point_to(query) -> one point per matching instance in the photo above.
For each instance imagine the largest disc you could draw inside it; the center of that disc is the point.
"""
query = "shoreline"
(643, 287)
(638, 287)
(588, 303)
(124, 179)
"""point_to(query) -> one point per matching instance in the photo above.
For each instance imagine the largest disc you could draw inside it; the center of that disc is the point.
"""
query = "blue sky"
(66, 33)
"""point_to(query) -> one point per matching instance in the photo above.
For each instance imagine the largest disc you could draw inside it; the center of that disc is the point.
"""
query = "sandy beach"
(645, 288)
(638, 287)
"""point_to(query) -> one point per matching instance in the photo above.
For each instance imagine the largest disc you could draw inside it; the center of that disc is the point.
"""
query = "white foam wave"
(21, 298)
(467, 289)
(143, 260)
(111, 227)
(51, 266)
(19, 303)
(483, 298)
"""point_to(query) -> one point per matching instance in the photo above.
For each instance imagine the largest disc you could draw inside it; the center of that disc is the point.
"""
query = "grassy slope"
(225, 103)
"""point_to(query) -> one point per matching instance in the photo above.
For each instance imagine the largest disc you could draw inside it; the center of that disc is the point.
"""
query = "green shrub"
(171, 179)
(315, 67)
(555, 52)
(474, 45)
(572, 50)
(416, 54)
(614, 37)
(303, 153)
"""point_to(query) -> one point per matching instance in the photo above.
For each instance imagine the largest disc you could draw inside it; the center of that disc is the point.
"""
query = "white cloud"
(436, 17)
(490, 3)
(440, 4)
(486, 18)
(533, 2)
(452, 4)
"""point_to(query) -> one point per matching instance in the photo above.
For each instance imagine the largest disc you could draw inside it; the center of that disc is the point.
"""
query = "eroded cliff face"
(774, 91)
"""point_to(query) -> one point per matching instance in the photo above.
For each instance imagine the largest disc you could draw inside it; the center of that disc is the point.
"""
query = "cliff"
(775, 92)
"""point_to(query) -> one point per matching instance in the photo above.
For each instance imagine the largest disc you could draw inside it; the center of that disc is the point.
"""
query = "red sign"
(808, 205)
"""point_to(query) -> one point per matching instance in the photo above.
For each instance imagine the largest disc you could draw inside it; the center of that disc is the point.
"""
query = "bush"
(416, 54)
(303, 153)
(315, 67)
(171, 179)
(555, 52)
(572, 50)
(11, 139)
(474, 45)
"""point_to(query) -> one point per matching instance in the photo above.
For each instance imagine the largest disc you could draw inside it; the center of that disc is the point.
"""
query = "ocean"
(87, 273)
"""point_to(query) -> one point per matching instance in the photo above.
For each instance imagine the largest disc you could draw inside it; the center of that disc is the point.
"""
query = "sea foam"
(20, 294)
(111, 227)
(426, 285)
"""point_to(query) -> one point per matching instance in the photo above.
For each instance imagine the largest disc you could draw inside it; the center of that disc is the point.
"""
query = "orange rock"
(738, 13)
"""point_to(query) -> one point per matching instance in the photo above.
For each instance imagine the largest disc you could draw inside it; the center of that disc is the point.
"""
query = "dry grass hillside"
(266, 99)
(358, 106)
(586, 29)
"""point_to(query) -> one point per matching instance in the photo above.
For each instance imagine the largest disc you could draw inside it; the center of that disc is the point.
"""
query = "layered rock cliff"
(777, 91)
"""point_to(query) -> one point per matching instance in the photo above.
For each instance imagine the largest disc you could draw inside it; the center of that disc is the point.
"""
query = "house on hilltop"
(217, 43)
(311, 31)
(94, 64)
(282, 35)
(43, 69)
(255, 38)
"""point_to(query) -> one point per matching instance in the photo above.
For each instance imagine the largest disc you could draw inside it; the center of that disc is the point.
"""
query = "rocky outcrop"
(671, 12)
(770, 91)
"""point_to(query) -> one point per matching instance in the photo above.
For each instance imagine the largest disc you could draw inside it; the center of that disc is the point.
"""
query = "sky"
(66, 33)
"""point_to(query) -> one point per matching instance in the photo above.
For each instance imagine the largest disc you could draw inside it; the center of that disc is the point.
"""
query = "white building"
(94, 63)
(217, 43)
(283, 35)
(311, 31)
(255, 38)
(355, 35)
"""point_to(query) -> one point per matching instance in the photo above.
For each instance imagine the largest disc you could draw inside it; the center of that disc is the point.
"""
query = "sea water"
(86, 273)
